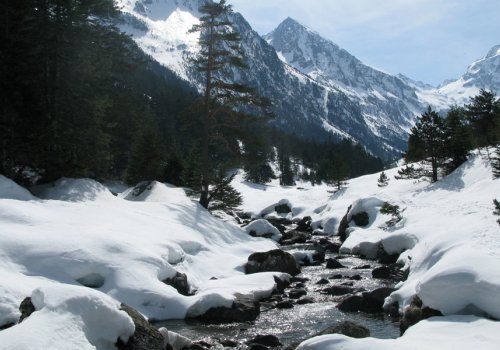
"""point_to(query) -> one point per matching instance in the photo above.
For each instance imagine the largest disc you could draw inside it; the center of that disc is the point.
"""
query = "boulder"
(414, 313)
(179, 282)
(337, 290)
(333, 264)
(284, 305)
(347, 328)
(243, 309)
(382, 272)
(356, 278)
(294, 237)
(257, 347)
(351, 304)
(305, 300)
(268, 340)
(26, 308)
(283, 208)
(297, 293)
(361, 219)
(274, 260)
(322, 281)
(145, 337)
(336, 277)
(304, 224)
(369, 302)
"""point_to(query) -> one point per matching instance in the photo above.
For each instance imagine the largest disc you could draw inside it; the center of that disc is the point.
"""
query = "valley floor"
(76, 234)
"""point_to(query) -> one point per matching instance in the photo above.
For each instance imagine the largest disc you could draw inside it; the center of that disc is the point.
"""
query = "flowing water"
(302, 321)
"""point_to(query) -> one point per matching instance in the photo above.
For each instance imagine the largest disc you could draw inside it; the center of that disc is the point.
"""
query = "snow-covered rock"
(263, 228)
(10, 190)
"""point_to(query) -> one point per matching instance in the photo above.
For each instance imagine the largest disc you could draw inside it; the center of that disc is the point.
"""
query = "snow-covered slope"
(80, 251)
(448, 237)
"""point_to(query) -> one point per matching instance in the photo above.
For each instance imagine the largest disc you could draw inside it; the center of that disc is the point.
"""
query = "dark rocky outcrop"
(179, 282)
(244, 309)
(145, 337)
(274, 260)
(382, 272)
(333, 264)
(26, 308)
(347, 328)
(268, 340)
(352, 303)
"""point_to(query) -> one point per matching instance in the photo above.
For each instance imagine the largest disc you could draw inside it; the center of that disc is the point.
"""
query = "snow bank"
(119, 249)
(263, 228)
(448, 236)
(443, 333)
(10, 190)
(69, 317)
(156, 192)
(74, 190)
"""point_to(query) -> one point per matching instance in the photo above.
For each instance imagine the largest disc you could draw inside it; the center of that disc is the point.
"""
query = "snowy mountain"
(482, 74)
(317, 88)
(303, 105)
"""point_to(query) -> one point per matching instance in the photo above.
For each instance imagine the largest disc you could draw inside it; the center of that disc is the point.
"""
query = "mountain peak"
(291, 24)
(495, 51)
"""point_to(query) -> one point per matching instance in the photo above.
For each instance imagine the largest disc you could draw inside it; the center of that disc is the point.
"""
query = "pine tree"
(220, 52)
(483, 114)
(426, 143)
(497, 209)
(495, 162)
(383, 180)
(458, 143)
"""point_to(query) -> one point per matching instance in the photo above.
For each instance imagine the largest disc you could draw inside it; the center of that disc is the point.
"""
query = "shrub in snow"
(394, 211)
(262, 228)
(497, 209)
(383, 180)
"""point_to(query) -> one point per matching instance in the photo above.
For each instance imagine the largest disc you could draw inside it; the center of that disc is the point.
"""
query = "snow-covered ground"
(75, 233)
(80, 234)
(448, 238)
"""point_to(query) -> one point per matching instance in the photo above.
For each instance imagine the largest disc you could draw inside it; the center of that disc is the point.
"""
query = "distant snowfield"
(80, 234)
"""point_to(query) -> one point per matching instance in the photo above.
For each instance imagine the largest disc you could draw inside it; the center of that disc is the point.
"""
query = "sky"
(426, 40)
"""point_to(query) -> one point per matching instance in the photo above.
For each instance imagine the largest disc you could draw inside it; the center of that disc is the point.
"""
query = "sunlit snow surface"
(82, 234)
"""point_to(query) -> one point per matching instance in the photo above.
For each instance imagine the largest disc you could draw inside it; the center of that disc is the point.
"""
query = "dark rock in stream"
(294, 237)
(414, 313)
(336, 277)
(356, 278)
(297, 293)
(244, 309)
(333, 264)
(369, 302)
(257, 347)
(322, 281)
(347, 328)
(337, 290)
(305, 224)
(268, 340)
(145, 337)
(305, 300)
(274, 260)
(284, 305)
(382, 272)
